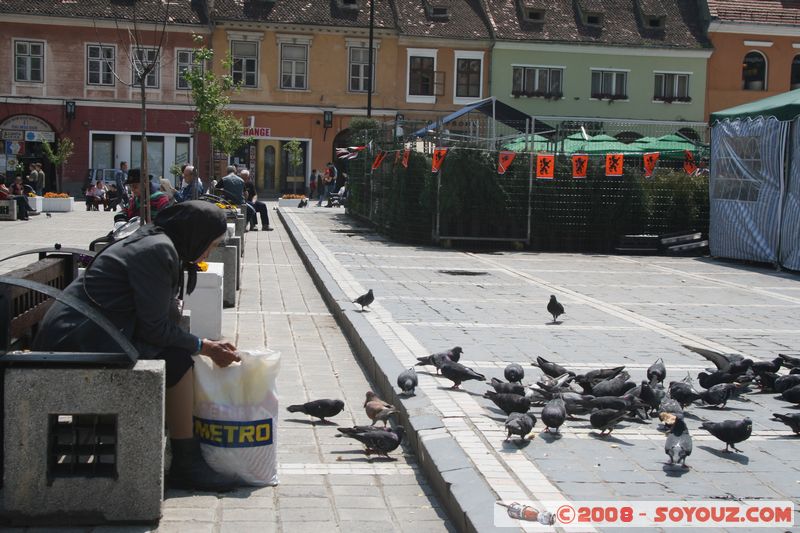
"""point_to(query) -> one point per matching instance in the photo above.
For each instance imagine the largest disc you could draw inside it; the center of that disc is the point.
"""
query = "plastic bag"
(235, 414)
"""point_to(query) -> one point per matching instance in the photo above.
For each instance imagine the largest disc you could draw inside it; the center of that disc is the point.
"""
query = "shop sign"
(257, 133)
(12, 135)
(40, 136)
(11, 164)
(25, 123)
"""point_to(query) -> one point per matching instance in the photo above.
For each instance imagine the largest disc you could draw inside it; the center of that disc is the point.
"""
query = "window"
(181, 150)
(534, 15)
(538, 81)
(439, 13)
(102, 151)
(468, 78)
(29, 61)
(184, 59)
(359, 69)
(671, 87)
(146, 58)
(795, 80)
(155, 154)
(594, 19)
(245, 63)
(421, 73)
(754, 72)
(294, 65)
(609, 84)
(654, 23)
(100, 64)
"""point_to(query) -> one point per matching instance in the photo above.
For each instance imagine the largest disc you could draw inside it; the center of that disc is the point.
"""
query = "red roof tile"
(756, 11)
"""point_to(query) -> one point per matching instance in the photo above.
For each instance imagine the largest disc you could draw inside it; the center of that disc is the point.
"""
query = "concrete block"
(134, 396)
(231, 230)
(238, 242)
(241, 225)
(205, 302)
(8, 210)
(227, 255)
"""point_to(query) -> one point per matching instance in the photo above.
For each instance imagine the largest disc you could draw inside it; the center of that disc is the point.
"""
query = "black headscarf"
(192, 226)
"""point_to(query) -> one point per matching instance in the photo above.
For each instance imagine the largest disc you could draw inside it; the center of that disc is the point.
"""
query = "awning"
(491, 107)
(784, 106)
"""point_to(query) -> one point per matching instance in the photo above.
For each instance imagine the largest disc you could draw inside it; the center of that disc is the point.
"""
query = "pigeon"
(507, 388)
(554, 308)
(718, 395)
(791, 420)
(786, 382)
(767, 380)
(721, 361)
(669, 406)
(509, 403)
(458, 373)
(375, 440)
(657, 371)
(628, 402)
(554, 370)
(651, 395)
(553, 414)
(791, 395)
(789, 361)
(321, 409)
(762, 367)
(365, 299)
(596, 376)
(436, 359)
(554, 385)
(377, 409)
(616, 386)
(407, 381)
(606, 419)
(679, 442)
(730, 431)
(707, 380)
(576, 404)
(520, 424)
(48, 215)
(683, 393)
(303, 203)
(514, 373)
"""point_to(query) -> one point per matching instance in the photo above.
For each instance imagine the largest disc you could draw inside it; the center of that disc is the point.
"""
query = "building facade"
(68, 71)
(756, 51)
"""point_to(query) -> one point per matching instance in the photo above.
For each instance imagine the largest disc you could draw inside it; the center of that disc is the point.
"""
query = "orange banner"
(378, 159)
(614, 164)
(504, 160)
(650, 160)
(545, 166)
(406, 155)
(438, 158)
(580, 163)
(688, 163)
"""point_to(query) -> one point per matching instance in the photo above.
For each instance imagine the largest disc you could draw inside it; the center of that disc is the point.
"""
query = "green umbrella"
(537, 143)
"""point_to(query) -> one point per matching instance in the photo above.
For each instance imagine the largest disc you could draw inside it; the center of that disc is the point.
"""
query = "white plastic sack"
(235, 414)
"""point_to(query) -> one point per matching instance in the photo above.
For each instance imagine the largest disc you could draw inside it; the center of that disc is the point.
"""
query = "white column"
(122, 147)
(169, 157)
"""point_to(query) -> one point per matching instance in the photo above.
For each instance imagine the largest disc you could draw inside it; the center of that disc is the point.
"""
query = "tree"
(294, 151)
(210, 94)
(59, 158)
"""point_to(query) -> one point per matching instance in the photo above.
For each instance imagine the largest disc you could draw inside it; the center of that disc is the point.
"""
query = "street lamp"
(371, 36)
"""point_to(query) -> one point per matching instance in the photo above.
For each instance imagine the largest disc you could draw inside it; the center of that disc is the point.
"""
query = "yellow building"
(304, 71)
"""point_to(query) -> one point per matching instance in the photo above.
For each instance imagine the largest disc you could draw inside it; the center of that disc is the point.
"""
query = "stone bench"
(82, 434)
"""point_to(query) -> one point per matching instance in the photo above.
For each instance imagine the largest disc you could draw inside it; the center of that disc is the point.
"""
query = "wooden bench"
(82, 433)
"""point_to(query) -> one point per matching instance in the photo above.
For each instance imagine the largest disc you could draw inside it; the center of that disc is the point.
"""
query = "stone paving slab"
(326, 483)
(620, 310)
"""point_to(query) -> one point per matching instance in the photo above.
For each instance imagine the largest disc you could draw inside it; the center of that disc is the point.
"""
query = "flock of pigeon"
(607, 396)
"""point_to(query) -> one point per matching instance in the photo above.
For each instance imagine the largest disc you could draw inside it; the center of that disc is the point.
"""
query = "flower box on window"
(554, 96)
(516, 93)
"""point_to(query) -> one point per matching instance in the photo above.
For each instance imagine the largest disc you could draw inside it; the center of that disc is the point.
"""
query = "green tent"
(784, 106)
(671, 147)
(538, 143)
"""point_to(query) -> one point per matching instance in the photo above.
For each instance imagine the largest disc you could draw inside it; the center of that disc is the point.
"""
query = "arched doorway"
(342, 140)
(22, 138)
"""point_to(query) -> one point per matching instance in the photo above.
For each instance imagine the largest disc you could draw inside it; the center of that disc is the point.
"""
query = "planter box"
(35, 202)
(289, 203)
(57, 205)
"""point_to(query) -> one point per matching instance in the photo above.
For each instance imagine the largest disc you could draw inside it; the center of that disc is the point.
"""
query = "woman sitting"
(134, 283)
(158, 199)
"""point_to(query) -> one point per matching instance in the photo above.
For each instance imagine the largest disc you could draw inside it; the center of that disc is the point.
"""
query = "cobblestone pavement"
(619, 310)
(326, 483)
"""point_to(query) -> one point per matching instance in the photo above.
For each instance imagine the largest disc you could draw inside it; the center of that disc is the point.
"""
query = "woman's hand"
(222, 353)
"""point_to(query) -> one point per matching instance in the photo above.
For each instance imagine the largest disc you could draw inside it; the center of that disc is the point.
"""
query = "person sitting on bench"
(158, 200)
(22, 202)
(133, 282)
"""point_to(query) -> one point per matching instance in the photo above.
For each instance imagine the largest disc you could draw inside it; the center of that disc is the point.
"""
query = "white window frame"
(43, 58)
(294, 62)
(561, 68)
(616, 71)
(420, 52)
(156, 71)
(350, 68)
(244, 70)
(178, 65)
(688, 75)
(466, 54)
(103, 61)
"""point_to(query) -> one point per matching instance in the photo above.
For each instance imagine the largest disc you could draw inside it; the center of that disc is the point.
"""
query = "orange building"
(304, 70)
(756, 51)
